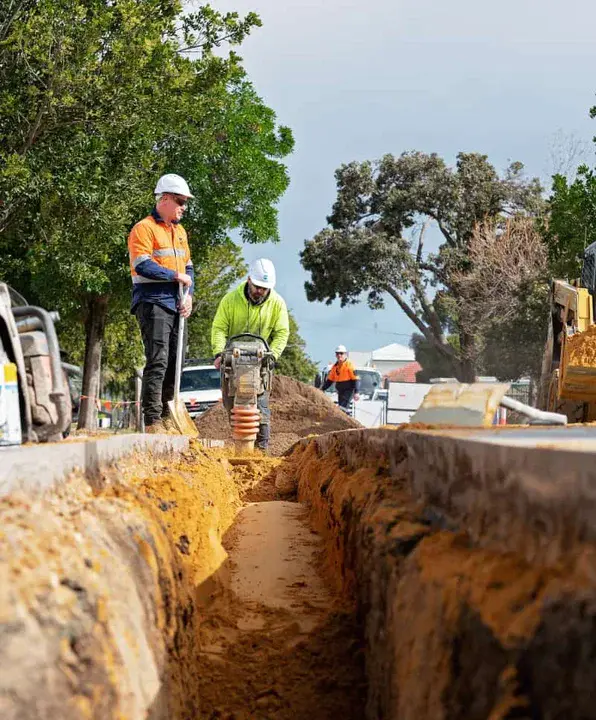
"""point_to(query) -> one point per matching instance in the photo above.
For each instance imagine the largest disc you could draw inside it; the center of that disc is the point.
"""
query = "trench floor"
(276, 642)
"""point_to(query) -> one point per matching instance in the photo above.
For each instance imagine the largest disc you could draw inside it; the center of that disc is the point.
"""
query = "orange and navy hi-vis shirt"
(157, 252)
(343, 375)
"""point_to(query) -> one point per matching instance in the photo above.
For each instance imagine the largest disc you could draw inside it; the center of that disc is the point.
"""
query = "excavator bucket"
(577, 372)
(458, 404)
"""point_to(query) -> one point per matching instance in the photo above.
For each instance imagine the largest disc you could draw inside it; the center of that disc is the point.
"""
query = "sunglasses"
(180, 201)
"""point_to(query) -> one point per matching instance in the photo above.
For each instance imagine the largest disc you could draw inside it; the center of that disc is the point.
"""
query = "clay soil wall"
(455, 629)
(98, 587)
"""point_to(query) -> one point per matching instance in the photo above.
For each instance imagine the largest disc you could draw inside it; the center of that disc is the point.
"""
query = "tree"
(377, 202)
(433, 363)
(295, 362)
(571, 224)
(501, 296)
(504, 293)
(219, 269)
(85, 129)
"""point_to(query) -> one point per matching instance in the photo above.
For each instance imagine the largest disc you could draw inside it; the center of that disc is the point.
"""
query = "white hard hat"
(173, 184)
(341, 348)
(262, 273)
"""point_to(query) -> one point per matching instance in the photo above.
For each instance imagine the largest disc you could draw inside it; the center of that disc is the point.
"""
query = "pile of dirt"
(581, 348)
(297, 410)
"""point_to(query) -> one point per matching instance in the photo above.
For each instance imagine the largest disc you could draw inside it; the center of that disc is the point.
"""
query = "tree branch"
(428, 311)
(203, 43)
(450, 241)
(445, 349)
(421, 242)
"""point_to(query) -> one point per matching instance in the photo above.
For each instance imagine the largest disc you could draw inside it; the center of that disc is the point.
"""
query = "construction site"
(297, 360)
(403, 573)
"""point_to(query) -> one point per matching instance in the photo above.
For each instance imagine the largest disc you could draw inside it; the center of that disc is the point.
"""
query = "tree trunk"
(97, 309)
(467, 343)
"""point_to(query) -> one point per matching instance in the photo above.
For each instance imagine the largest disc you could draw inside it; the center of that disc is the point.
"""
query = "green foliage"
(571, 225)
(97, 99)
(513, 348)
(295, 362)
(363, 252)
(434, 364)
(220, 268)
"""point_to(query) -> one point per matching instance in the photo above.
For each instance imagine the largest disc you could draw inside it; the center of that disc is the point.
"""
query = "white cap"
(173, 184)
(341, 348)
(262, 273)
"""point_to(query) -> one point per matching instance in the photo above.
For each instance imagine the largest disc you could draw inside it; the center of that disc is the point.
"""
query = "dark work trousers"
(159, 329)
(344, 400)
(265, 426)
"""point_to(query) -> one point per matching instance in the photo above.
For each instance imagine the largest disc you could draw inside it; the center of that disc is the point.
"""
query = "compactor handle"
(249, 335)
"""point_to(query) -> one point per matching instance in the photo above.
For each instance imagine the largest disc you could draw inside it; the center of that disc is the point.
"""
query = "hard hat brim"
(171, 192)
(262, 283)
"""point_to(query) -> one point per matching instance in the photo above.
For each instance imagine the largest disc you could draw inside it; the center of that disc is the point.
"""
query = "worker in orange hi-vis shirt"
(346, 381)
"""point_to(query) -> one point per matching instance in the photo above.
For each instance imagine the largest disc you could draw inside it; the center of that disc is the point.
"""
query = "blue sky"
(356, 80)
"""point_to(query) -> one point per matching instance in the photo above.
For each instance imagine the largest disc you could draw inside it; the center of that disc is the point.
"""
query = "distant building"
(405, 374)
(384, 359)
(392, 357)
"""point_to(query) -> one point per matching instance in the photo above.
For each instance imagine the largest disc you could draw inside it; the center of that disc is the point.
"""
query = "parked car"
(200, 386)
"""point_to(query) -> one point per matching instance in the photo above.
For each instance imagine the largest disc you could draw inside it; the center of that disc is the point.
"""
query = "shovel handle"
(179, 348)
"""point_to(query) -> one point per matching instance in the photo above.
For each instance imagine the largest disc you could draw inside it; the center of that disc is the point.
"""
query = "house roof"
(395, 351)
(407, 373)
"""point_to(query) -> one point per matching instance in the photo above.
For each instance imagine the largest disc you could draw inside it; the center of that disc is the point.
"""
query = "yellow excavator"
(567, 392)
(568, 378)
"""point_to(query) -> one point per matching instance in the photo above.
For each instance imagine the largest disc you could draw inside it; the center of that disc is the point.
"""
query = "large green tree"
(365, 252)
(98, 98)
(221, 267)
(571, 224)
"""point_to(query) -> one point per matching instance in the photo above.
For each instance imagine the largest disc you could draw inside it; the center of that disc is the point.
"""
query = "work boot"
(155, 428)
(262, 447)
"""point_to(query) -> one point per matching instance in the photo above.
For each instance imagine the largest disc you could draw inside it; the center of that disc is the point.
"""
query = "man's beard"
(257, 299)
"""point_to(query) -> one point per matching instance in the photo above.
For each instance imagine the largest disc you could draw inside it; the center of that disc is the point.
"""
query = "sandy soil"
(275, 642)
(297, 410)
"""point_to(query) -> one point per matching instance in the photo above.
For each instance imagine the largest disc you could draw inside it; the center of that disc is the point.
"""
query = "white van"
(200, 386)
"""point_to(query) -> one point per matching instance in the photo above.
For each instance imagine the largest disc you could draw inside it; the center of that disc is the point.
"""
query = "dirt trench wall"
(97, 587)
(453, 630)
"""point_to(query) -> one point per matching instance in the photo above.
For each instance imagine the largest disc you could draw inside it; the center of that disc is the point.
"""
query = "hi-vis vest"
(167, 245)
(342, 373)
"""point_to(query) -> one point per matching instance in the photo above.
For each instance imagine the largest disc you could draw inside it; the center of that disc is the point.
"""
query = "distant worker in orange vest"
(347, 383)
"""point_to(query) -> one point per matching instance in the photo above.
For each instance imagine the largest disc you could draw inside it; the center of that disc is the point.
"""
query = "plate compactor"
(246, 372)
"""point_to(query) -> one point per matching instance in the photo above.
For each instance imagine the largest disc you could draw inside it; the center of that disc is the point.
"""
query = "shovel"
(475, 405)
(178, 412)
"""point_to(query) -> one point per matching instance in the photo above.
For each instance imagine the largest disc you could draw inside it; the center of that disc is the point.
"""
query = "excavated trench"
(311, 586)
(176, 588)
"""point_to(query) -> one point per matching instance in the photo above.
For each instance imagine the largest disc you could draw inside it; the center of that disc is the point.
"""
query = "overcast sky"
(355, 80)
